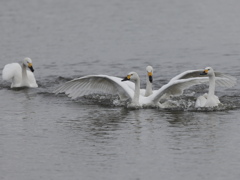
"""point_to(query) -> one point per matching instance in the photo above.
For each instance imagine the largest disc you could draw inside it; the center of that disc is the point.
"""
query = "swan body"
(19, 75)
(208, 99)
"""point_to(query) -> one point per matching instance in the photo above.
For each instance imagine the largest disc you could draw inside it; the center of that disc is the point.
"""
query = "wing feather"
(188, 74)
(95, 84)
(178, 84)
(177, 87)
(222, 79)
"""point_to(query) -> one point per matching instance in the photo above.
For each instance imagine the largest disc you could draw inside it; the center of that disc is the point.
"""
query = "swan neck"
(24, 71)
(148, 88)
(211, 91)
(136, 92)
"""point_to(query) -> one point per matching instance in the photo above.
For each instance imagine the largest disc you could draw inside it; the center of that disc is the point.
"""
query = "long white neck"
(211, 90)
(24, 71)
(136, 92)
(24, 75)
(148, 88)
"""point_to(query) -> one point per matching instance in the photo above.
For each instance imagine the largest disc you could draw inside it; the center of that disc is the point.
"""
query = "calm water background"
(43, 136)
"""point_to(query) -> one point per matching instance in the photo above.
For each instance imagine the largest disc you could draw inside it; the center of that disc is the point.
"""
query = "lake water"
(44, 136)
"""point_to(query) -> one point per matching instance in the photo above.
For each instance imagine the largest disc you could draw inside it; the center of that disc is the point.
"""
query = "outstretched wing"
(188, 74)
(96, 84)
(222, 80)
(177, 87)
(225, 80)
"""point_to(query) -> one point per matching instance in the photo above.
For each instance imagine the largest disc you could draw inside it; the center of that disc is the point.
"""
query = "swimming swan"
(210, 99)
(19, 74)
(114, 85)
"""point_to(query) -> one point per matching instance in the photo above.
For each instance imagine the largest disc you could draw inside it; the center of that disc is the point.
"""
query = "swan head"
(150, 73)
(132, 76)
(28, 63)
(208, 71)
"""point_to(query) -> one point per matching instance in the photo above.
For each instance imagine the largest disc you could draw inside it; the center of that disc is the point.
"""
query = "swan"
(214, 78)
(113, 85)
(208, 99)
(19, 74)
(221, 79)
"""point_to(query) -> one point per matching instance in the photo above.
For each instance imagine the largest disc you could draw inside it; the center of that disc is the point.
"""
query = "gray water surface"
(44, 136)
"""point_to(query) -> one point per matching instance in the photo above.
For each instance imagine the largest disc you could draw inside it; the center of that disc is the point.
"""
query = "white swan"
(221, 79)
(114, 85)
(214, 78)
(208, 99)
(19, 74)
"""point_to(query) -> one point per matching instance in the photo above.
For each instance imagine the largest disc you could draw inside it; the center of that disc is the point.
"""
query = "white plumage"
(114, 85)
(19, 75)
(210, 99)
(149, 79)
